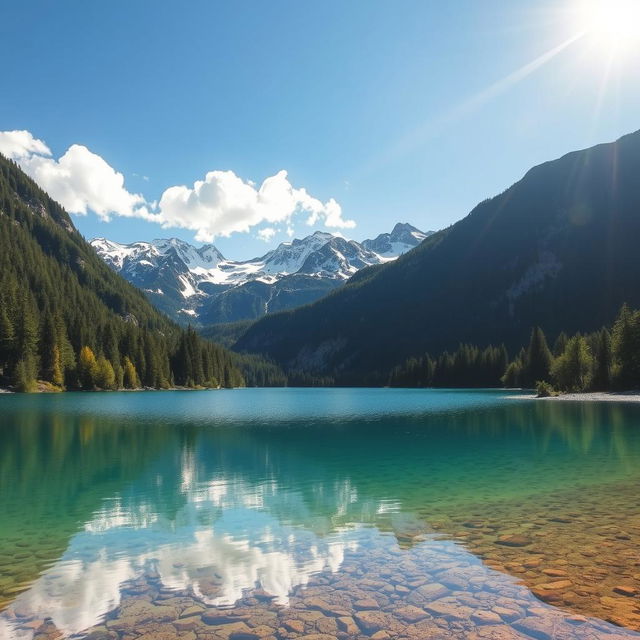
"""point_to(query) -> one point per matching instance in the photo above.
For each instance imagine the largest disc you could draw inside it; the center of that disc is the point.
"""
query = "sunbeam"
(435, 126)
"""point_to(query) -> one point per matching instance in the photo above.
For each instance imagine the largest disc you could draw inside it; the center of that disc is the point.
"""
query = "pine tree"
(560, 344)
(130, 376)
(602, 365)
(27, 328)
(25, 374)
(7, 338)
(56, 375)
(572, 370)
(50, 352)
(538, 359)
(512, 377)
(87, 368)
(104, 375)
(625, 343)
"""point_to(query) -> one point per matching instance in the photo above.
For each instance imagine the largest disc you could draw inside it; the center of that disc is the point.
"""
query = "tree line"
(70, 322)
(604, 360)
(468, 366)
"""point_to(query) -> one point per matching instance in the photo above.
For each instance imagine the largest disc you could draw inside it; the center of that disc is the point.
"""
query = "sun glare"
(613, 24)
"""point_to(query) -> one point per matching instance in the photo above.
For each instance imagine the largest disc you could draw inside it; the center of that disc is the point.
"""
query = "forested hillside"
(68, 320)
(558, 249)
(603, 360)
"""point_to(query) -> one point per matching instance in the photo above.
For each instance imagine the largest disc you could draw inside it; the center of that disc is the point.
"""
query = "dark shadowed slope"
(558, 249)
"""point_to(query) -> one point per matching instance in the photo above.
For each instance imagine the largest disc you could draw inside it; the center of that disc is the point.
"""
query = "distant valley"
(201, 286)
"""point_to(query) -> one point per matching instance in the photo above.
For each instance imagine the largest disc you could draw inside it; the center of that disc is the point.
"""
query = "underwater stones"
(136, 612)
(538, 628)
(235, 631)
(297, 626)
(449, 609)
(555, 573)
(366, 604)
(308, 616)
(186, 624)
(547, 596)
(485, 617)
(326, 625)
(514, 540)
(454, 579)
(329, 609)
(428, 592)
(348, 625)
(262, 631)
(558, 585)
(102, 634)
(214, 617)
(626, 590)
(411, 614)
(263, 596)
(372, 621)
(159, 634)
(506, 614)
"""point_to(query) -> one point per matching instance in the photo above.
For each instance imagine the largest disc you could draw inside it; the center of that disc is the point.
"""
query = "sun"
(612, 24)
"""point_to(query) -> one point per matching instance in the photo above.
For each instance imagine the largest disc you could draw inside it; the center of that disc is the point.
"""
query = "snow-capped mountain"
(200, 284)
(391, 245)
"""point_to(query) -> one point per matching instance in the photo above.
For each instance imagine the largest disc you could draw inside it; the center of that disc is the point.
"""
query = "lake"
(318, 513)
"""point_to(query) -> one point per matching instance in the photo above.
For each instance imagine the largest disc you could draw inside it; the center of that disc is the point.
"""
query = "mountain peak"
(186, 281)
(402, 226)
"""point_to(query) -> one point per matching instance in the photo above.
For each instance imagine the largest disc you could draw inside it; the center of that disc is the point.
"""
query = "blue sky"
(396, 110)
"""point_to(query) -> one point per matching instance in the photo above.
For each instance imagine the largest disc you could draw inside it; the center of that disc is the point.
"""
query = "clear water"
(338, 512)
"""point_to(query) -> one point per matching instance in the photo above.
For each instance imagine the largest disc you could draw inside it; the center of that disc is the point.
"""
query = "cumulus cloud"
(79, 180)
(221, 204)
(21, 144)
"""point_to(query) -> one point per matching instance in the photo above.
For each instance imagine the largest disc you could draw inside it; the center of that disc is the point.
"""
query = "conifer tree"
(87, 368)
(104, 375)
(626, 349)
(602, 366)
(560, 344)
(513, 375)
(538, 359)
(7, 338)
(130, 376)
(572, 370)
(56, 375)
(25, 372)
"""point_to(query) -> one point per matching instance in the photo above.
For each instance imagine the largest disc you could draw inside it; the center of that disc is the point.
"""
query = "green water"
(276, 489)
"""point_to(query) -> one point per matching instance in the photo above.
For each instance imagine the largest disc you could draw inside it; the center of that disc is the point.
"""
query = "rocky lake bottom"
(349, 514)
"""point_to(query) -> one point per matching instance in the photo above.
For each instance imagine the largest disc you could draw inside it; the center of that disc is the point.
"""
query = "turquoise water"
(201, 498)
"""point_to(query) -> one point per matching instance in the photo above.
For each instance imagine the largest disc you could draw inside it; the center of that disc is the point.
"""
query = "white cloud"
(266, 234)
(81, 181)
(221, 204)
(21, 144)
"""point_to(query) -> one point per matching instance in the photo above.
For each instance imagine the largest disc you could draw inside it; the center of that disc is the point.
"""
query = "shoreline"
(590, 396)
(4, 390)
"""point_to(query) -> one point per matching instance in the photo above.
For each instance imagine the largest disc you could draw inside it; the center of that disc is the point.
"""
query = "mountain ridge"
(201, 285)
(556, 249)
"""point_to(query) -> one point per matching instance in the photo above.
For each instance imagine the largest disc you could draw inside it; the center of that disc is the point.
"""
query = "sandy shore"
(596, 396)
